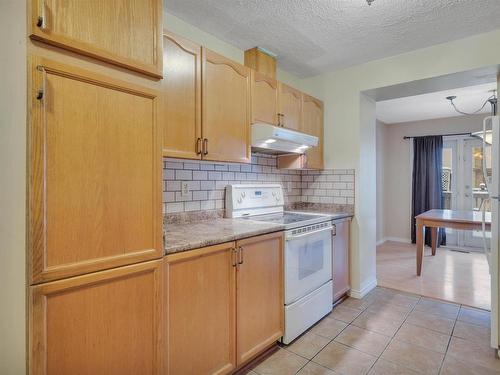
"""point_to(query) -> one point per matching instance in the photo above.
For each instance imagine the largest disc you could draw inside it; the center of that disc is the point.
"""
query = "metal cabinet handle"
(334, 230)
(198, 146)
(240, 255)
(205, 146)
(234, 256)
(41, 18)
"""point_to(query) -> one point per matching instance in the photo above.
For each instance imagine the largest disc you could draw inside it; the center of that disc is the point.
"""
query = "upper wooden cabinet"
(107, 322)
(290, 107)
(225, 109)
(122, 32)
(264, 99)
(94, 175)
(312, 123)
(260, 295)
(181, 98)
(201, 311)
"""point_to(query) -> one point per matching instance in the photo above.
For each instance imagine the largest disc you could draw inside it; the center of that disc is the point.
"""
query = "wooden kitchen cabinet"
(124, 32)
(340, 248)
(264, 99)
(94, 175)
(107, 322)
(260, 311)
(181, 98)
(225, 109)
(201, 311)
(290, 107)
(312, 123)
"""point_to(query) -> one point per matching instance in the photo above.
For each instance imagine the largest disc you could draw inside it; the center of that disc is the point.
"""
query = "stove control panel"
(246, 200)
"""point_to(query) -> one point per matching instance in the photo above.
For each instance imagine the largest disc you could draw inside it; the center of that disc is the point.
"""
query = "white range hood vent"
(273, 139)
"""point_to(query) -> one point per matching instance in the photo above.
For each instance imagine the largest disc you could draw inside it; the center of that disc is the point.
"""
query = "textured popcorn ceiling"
(314, 36)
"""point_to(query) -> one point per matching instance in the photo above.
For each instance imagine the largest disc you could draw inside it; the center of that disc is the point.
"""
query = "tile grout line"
(449, 341)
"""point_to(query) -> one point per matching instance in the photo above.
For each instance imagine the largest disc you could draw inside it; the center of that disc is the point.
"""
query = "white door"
(450, 185)
(475, 188)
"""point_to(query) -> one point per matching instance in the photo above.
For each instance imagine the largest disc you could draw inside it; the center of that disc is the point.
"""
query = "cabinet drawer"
(94, 175)
(122, 32)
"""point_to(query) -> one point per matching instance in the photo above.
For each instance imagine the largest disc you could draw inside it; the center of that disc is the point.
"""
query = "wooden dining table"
(455, 219)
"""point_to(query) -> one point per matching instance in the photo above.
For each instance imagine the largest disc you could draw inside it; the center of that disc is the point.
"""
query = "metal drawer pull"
(334, 230)
(205, 146)
(234, 256)
(198, 146)
(41, 18)
(240, 255)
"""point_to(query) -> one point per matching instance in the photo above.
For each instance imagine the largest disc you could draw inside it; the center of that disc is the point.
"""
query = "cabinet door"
(312, 123)
(201, 313)
(94, 173)
(122, 32)
(226, 109)
(181, 98)
(264, 99)
(260, 306)
(290, 107)
(107, 322)
(341, 259)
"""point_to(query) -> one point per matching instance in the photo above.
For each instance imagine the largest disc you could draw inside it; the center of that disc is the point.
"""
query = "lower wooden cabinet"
(108, 322)
(340, 259)
(260, 295)
(201, 313)
(224, 304)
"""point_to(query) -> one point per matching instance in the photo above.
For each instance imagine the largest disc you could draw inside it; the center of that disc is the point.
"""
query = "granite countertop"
(334, 211)
(188, 236)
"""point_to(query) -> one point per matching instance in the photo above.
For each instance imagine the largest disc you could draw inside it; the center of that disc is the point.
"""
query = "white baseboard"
(367, 288)
(394, 239)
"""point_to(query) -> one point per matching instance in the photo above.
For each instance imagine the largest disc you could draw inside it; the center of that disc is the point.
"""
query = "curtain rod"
(434, 135)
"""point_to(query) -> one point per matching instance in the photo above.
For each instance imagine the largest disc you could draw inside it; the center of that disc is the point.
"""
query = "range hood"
(273, 139)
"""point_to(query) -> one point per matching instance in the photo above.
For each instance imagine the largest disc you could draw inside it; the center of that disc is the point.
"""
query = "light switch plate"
(184, 189)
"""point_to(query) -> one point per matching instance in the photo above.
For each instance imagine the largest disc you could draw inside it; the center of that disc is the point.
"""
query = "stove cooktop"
(290, 219)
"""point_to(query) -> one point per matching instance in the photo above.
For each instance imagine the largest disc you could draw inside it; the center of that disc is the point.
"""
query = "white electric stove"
(308, 252)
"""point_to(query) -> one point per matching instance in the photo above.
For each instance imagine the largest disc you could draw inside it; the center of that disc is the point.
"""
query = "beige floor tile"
(480, 354)
(386, 307)
(474, 316)
(453, 366)
(329, 328)
(414, 357)
(308, 345)
(366, 341)
(345, 360)
(385, 324)
(344, 313)
(314, 369)
(282, 362)
(383, 367)
(423, 337)
(472, 332)
(432, 306)
(355, 303)
(431, 321)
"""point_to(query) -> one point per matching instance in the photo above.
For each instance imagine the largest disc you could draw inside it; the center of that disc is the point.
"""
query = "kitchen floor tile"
(474, 316)
(423, 337)
(432, 306)
(471, 332)
(414, 357)
(385, 324)
(314, 369)
(431, 321)
(282, 362)
(345, 360)
(344, 313)
(383, 367)
(366, 341)
(328, 328)
(453, 366)
(359, 304)
(308, 345)
(476, 353)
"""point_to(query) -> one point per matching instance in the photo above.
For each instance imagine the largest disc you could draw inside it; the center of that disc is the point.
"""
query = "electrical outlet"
(184, 189)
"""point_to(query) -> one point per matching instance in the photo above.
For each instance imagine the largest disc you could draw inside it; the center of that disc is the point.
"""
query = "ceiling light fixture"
(370, 2)
(492, 100)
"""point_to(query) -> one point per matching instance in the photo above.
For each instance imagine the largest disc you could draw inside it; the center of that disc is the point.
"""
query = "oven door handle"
(293, 237)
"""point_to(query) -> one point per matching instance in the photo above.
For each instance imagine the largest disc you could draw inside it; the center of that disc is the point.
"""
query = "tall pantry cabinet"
(94, 187)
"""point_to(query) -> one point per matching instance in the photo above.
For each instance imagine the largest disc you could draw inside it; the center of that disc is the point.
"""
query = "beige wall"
(394, 180)
(12, 186)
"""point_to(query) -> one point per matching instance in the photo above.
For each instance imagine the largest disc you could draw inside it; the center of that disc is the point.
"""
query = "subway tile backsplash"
(200, 185)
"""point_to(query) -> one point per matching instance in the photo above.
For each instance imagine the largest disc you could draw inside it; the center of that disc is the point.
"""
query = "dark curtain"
(426, 183)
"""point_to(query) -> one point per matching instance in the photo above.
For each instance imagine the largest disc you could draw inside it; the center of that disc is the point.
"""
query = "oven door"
(308, 261)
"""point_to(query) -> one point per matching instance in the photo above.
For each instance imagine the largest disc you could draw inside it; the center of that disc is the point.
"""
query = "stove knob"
(274, 193)
(278, 198)
(243, 195)
(240, 200)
